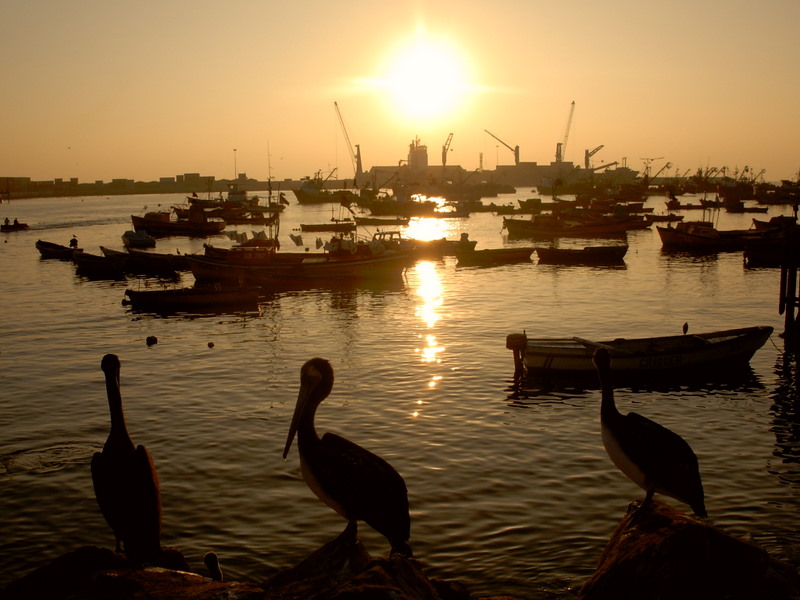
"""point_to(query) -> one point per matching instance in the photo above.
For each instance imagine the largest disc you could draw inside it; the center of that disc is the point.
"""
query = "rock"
(343, 570)
(660, 553)
(340, 570)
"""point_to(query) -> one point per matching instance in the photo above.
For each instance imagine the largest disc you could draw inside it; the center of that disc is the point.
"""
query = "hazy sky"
(144, 89)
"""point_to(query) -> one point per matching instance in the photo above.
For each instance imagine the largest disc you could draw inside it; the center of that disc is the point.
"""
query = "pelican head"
(316, 383)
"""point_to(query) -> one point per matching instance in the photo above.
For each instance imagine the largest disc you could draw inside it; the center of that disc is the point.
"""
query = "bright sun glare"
(425, 79)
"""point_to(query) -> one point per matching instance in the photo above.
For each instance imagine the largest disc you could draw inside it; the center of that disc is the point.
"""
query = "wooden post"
(788, 301)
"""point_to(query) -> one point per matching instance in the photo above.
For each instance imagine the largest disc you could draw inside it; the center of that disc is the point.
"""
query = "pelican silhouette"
(125, 481)
(353, 481)
(655, 458)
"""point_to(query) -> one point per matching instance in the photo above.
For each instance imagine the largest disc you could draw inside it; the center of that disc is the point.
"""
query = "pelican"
(125, 481)
(354, 482)
(655, 458)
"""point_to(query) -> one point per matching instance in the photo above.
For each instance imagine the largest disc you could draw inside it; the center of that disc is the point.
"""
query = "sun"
(425, 78)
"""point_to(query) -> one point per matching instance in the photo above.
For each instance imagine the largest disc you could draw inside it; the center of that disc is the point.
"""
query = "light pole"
(235, 170)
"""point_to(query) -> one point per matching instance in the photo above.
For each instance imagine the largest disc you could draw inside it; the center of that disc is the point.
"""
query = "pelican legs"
(350, 533)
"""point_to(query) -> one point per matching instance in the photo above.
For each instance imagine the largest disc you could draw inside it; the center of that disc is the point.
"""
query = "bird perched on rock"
(655, 458)
(125, 481)
(211, 561)
(353, 481)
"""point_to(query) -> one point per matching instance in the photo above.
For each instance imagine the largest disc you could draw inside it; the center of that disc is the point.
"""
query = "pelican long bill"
(302, 400)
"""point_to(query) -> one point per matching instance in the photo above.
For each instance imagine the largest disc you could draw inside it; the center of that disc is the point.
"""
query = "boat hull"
(647, 357)
(493, 256)
(590, 255)
(192, 299)
(298, 270)
(52, 250)
(531, 228)
(162, 228)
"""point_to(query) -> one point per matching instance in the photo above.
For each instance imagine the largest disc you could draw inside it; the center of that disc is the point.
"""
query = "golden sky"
(146, 89)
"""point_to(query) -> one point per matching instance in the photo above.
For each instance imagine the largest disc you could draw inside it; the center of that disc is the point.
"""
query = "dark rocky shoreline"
(654, 553)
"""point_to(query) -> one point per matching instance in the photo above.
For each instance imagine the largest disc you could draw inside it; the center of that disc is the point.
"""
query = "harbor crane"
(588, 154)
(515, 149)
(561, 147)
(355, 156)
(647, 162)
(445, 149)
(668, 165)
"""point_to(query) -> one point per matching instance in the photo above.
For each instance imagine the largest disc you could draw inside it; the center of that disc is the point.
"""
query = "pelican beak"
(302, 400)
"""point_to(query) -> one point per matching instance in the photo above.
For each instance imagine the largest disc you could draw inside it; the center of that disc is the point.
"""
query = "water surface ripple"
(512, 494)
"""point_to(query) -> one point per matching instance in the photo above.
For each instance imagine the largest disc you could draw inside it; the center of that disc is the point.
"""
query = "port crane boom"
(445, 149)
(561, 147)
(515, 149)
(590, 153)
(355, 157)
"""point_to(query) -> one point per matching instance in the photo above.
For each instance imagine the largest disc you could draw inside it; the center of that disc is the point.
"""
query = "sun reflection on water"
(429, 290)
(429, 228)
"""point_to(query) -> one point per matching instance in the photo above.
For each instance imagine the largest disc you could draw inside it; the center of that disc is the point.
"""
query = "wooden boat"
(334, 225)
(382, 222)
(52, 250)
(141, 263)
(15, 226)
(645, 357)
(177, 262)
(702, 235)
(493, 256)
(668, 218)
(138, 239)
(313, 191)
(551, 226)
(779, 222)
(773, 251)
(345, 259)
(95, 266)
(194, 299)
(299, 268)
(159, 224)
(394, 240)
(588, 255)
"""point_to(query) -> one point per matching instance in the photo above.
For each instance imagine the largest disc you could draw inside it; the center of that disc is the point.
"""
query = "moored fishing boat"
(53, 250)
(394, 240)
(702, 235)
(142, 263)
(588, 255)
(313, 191)
(138, 239)
(159, 224)
(95, 266)
(176, 262)
(335, 225)
(382, 222)
(551, 225)
(343, 259)
(640, 357)
(194, 299)
(493, 256)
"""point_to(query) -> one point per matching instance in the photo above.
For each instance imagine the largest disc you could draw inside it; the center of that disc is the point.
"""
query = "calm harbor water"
(513, 495)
